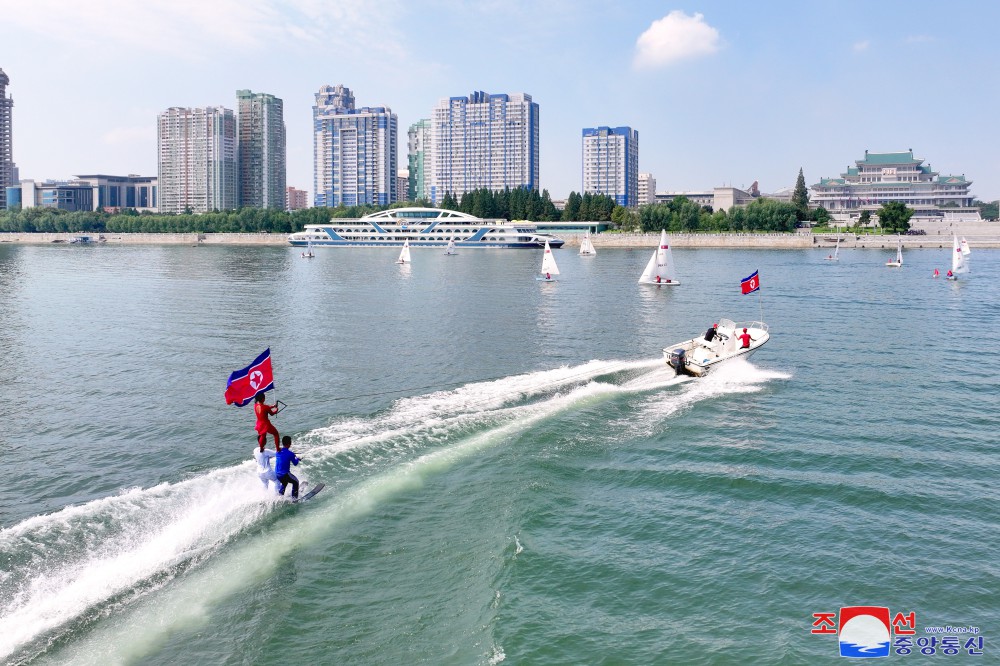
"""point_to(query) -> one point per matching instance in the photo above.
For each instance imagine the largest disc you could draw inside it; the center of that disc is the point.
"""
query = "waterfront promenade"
(982, 235)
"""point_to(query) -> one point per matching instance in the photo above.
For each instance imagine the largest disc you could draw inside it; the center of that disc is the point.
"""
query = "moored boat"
(698, 355)
(423, 227)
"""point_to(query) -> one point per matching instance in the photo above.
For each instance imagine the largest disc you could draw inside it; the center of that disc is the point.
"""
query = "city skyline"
(719, 95)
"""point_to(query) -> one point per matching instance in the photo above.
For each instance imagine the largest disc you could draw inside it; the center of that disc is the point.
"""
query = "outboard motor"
(678, 360)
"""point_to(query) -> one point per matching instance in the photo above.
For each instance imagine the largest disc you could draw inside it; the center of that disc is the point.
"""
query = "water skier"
(264, 426)
(263, 457)
(283, 462)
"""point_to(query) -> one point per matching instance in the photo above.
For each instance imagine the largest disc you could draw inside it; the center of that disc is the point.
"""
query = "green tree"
(990, 210)
(800, 197)
(821, 216)
(894, 216)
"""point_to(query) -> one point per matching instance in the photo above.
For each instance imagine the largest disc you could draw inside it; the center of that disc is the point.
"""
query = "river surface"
(512, 473)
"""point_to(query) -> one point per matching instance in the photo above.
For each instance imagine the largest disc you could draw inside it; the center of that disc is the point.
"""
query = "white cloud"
(858, 47)
(920, 39)
(196, 29)
(675, 37)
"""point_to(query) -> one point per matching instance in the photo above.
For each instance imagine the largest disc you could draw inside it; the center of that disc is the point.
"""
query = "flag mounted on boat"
(244, 384)
(750, 283)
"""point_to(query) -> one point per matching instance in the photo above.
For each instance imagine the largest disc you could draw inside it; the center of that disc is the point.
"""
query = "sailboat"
(451, 246)
(404, 254)
(587, 246)
(549, 268)
(899, 255)
(959, 258)
(836, 251)
(660, 269)
(308, 254)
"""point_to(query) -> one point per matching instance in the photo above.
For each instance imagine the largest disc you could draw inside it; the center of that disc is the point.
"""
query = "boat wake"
(155, 558)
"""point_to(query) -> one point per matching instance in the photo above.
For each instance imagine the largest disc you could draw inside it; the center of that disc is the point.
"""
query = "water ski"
(311, 493)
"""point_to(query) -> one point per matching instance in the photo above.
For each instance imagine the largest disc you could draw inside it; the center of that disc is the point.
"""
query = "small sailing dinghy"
(660, 269)
(959, 258)
(404, 254)
(549, 268)
(587, 246)
(451, 247)
(899, 255)
(836, 251)
(308, 254)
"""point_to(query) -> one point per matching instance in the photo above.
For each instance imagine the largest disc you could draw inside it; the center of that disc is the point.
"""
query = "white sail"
(404, 254)
(309, 250)
(959, 264)
(899, 254)
(836, 251)
(451, 247)
(587, 246)
(660, 269)
(965, 249)
(549, 262)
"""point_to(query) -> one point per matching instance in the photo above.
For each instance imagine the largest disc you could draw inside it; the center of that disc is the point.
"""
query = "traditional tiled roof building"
(883, 177)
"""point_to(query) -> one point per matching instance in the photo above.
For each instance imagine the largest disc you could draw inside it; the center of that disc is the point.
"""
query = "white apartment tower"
(261, 150)
(484, 141)
(611, 163)
(197, 159)
(354, 151)
(647, 189)
(6, 141)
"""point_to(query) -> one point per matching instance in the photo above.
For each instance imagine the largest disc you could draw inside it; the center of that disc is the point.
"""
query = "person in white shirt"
(264, 470)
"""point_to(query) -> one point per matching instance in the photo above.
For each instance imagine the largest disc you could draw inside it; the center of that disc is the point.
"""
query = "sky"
(721, 93)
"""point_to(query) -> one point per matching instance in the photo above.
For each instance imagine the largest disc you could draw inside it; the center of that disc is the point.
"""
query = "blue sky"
(720, 92)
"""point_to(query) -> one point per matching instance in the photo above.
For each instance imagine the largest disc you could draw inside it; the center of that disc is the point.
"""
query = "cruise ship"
(422, 227)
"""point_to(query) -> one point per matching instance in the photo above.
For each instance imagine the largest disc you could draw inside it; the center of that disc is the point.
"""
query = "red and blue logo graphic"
(864, 631)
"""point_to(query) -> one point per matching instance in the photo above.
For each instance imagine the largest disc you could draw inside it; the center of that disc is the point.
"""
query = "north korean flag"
(750, 283)
(244, 384)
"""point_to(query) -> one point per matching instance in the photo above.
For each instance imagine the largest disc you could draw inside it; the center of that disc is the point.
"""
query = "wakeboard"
(312, 493)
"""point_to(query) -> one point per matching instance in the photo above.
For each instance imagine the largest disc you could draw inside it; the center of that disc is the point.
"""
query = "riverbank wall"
(776, 241)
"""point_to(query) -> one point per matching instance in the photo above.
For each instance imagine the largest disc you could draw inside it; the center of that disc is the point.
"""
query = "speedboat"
(697, 356)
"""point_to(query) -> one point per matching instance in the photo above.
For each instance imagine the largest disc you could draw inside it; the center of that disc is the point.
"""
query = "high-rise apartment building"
(296, 199)
(197, 159)
(484, 141)
(6, 141)
(418, 144)
(354, 151)
(261, 150)
(611, 163)
(647, 189)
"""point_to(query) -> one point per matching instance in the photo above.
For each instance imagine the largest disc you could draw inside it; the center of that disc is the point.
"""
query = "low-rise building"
(296, 199)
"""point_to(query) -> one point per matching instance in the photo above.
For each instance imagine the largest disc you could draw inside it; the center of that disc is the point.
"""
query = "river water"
(512, 474)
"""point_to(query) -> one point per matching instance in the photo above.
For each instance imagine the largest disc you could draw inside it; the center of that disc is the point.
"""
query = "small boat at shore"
(698, 355)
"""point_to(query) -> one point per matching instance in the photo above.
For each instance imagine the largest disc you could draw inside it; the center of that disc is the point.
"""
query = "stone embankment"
(981, 234)
(148, 239)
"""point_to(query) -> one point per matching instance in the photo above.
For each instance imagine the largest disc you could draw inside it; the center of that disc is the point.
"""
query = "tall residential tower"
(611, 163)
(354, 151)
(484, 141)
(197, 159)
(418, 143)
(261, 150)
(6, 141)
